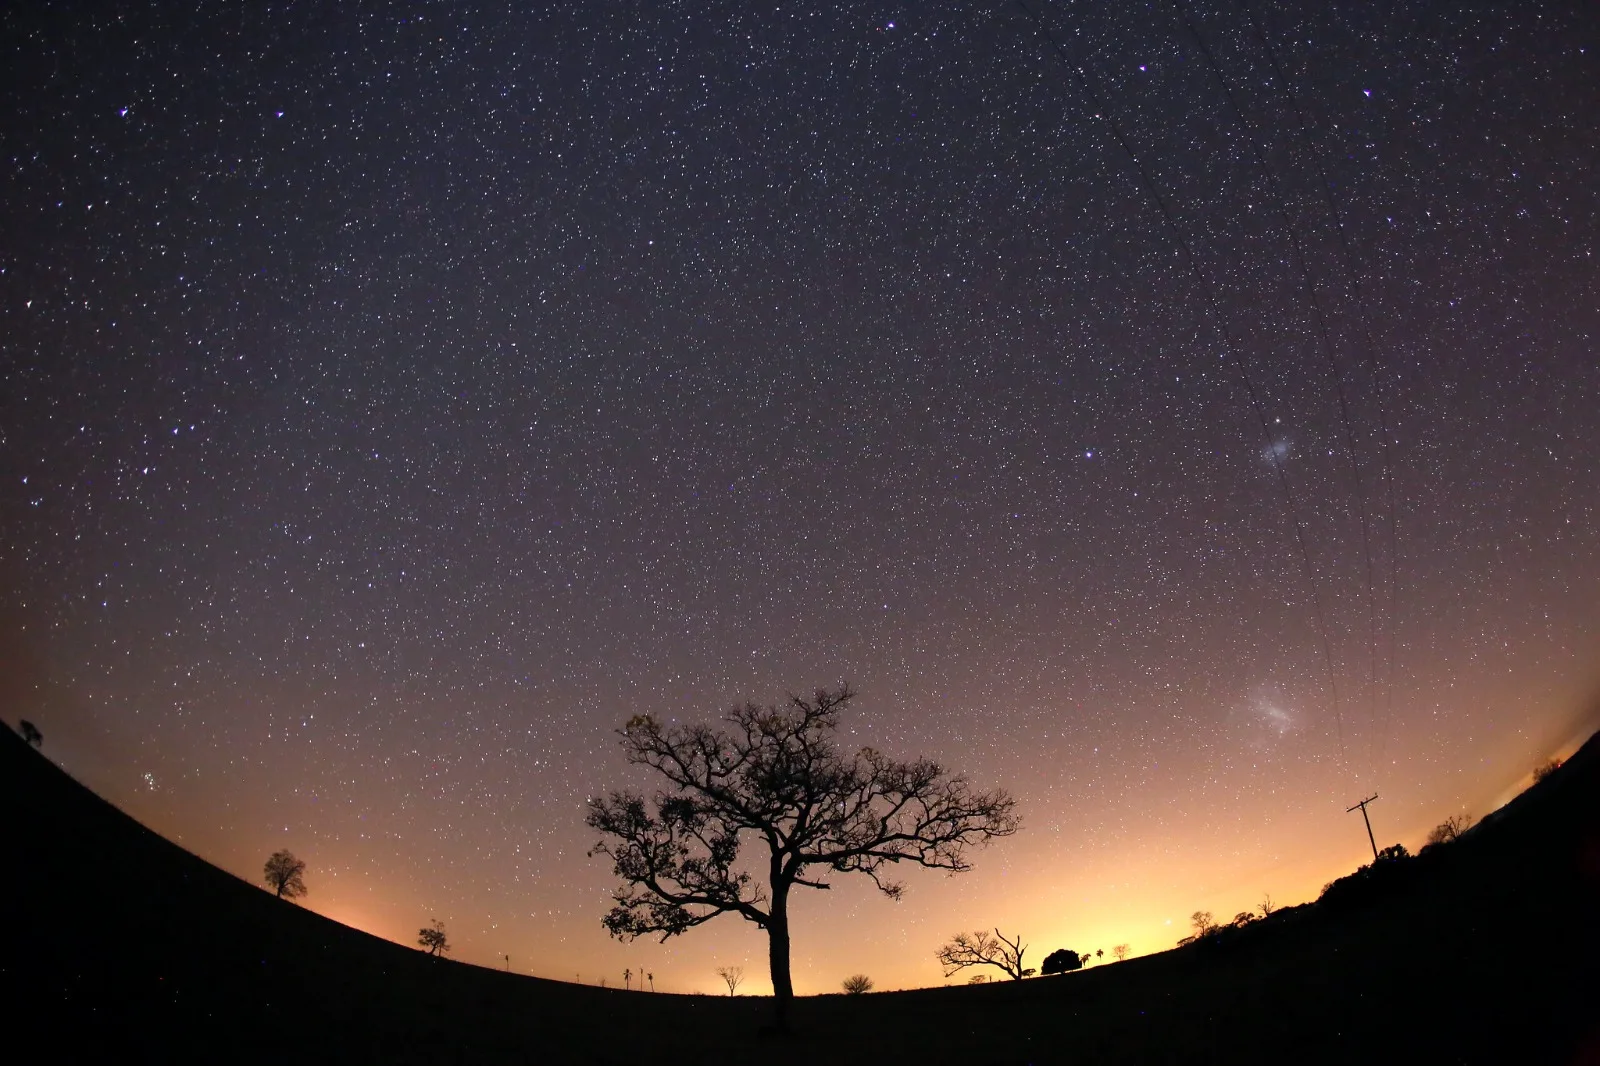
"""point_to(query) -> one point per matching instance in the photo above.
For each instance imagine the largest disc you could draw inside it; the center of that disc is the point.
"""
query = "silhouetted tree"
(652, 979)
(775, 775)
(1243, 918)
(1267, 906)
(1450, 829)
(1099, 953)
(1062, 960)
(981, 949)
(283, 872)
(1393, 853)
(1203, 924)
(978, 979)
(30, 733)
(857, 984)
(1540, 773)
(732, 976)
(627, 979)
(432, 939)
(1120, 952)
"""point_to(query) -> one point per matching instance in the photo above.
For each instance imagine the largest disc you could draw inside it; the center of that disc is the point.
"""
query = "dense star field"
(394, 399)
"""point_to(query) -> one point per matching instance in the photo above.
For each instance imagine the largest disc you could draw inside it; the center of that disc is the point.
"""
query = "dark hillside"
(124, 947)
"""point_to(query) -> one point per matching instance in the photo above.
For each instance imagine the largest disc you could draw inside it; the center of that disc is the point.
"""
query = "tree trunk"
(778, 954)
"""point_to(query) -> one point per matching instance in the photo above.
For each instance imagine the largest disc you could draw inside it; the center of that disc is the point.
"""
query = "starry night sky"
(395, 398)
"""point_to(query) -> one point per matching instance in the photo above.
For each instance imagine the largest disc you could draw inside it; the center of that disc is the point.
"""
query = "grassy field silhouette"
(124, 947)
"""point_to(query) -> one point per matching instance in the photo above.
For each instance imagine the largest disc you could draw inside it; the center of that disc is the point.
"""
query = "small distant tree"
(432, 939)
(284, 873)
(1266, 906)
(30, 733)
(978, 979)
(1243, 918)
(857, 984)
(1450, 829)
(1393, 853)
(1062, 960)
(1120, 952)
(1203, 923)
(981, 949)
(652, 979)
(1099, 953)
(1540, 773)
(732, 976)
(627, 979)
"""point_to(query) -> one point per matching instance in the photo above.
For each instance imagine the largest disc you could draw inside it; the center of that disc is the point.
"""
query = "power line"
(1297, 251)
(1103, 114)
(1353, 279)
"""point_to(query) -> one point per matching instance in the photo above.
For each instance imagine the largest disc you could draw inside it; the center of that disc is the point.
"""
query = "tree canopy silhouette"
(283, 872)
(981, 949)
(1204, 925)
(1062, 960)
(30, 733)
(775, 775)
(857, 984)
(432, 939)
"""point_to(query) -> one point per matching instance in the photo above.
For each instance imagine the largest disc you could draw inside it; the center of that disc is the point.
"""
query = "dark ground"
(121, 946)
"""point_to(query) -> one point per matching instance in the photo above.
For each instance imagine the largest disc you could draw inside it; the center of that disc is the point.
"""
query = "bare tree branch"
(981, 949)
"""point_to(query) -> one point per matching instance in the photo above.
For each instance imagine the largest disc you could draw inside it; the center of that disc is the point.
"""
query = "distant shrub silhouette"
(1450, 829)
(1244, 918)
(284, 873)
(857, 984)
(30, 733)
(978, 979)
(1540, 773)
(732, 976)
(981, 949)
(1061, 960)
(1393, 868)
(432, 940)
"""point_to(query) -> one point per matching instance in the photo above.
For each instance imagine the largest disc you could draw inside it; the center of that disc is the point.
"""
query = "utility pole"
(1362, 806)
